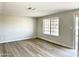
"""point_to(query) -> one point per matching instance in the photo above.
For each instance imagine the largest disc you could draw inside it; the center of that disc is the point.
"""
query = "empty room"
(39, 29)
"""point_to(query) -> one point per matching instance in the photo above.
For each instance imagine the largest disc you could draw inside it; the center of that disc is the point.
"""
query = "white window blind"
(55, 26)
(46, 26)
(51, 26)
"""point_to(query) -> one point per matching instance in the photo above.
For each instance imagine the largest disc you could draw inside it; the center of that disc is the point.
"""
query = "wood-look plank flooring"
(34, 48)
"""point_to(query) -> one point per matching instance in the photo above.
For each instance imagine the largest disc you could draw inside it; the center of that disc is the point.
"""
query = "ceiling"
(39, 8)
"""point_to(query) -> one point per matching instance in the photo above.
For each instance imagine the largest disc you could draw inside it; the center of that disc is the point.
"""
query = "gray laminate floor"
(34, 48)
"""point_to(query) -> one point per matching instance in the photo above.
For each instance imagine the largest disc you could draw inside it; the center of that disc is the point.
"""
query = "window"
(55, 26)
(46, 26)
(51, 26)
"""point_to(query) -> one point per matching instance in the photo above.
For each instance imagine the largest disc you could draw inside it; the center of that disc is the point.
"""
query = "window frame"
(52, 18)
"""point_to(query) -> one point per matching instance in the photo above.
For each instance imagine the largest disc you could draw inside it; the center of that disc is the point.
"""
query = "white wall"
(78, 37)
(0, 8)
(17, 28)
(1, 28)
(65, 30)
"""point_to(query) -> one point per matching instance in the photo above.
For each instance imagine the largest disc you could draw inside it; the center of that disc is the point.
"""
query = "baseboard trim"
(38, 38)
(54, 43)
(17, 40)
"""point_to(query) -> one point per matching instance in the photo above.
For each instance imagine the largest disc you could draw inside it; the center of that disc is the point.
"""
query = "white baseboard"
(55, 42)
(8, 40)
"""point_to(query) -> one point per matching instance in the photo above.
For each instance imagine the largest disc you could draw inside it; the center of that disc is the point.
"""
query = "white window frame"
(44, 26)
(54, 23)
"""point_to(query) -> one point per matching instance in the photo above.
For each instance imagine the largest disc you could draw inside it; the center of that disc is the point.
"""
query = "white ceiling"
(42, 8)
